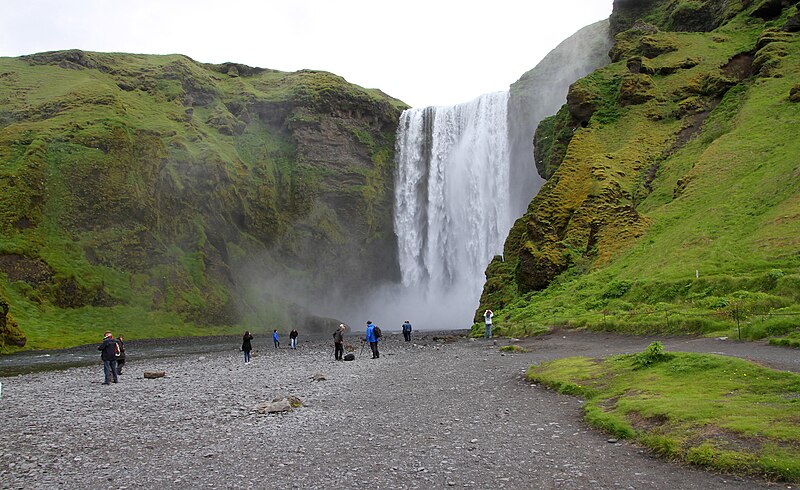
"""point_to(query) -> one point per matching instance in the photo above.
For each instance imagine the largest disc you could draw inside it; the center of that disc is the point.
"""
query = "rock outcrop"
(214, 192)
(639, 156)
(10, 334)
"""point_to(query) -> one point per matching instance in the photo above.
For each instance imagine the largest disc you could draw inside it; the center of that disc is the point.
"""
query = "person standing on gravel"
(275, 338)
(120, 355)
(293, 339)
(247, 346)
(372, 338)
(407, 331)
(338, 342)
(108, 353)
(487, 316)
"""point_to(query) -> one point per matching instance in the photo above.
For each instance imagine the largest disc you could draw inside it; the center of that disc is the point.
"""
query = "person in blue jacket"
(407, 331)
(372, 338)
(275, 338)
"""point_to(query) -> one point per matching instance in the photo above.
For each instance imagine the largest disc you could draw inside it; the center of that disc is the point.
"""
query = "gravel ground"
(429, 415)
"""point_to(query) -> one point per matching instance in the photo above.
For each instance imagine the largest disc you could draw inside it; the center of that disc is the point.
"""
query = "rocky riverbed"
(434, 413)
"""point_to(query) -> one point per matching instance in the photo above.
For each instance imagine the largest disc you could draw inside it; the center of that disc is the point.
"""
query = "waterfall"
(452, 201)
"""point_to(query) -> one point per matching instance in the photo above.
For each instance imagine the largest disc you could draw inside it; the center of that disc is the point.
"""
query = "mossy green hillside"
(675, 205)
(149, 193)
(720, 412)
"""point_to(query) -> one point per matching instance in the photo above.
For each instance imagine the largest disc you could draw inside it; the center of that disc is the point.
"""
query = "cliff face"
(671, 162)
(210, 193)
(540, 92)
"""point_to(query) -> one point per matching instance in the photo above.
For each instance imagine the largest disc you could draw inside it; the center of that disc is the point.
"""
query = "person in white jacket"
(487, 316)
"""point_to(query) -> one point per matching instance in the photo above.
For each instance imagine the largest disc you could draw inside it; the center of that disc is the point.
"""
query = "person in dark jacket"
(247, 346)
(338, 342)
(293, 339)
(373, 340)
(108, 353)
(120, 355)
(275, 339)
(407, 331)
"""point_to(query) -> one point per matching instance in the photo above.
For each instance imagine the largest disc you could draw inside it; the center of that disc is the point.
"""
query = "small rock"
(613, 441)
(319, 377)
(282, 405)
(154, 374)
(473, 441)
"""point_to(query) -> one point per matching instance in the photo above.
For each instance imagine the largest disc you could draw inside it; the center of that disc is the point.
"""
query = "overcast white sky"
(424, 52)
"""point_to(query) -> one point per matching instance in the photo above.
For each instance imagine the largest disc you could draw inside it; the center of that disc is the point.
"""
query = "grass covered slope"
(675, 191)
(162, 196)
(710, 410)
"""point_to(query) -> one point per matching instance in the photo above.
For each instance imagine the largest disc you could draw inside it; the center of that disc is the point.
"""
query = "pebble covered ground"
(427, 414)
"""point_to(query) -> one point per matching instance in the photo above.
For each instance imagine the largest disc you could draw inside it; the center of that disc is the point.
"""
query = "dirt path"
(435, 415)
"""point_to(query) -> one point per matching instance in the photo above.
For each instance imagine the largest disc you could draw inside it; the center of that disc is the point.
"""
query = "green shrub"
(653, 354)
(617, 289)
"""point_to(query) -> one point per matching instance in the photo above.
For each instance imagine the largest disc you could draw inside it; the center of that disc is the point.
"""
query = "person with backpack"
(275, 338)
(293, 339)
(120, 354)
(407, 331)
(338, 342)
(247, 346)
(108, 353)
(373, 335)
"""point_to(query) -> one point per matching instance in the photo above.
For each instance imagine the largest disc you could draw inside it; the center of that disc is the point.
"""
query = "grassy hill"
(160, 196)
(673, 197)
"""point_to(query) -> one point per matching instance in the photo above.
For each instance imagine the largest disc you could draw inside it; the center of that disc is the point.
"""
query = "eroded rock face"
(660, 91)
(636, 88)
(10, 334)
(193, 182)
(794, 93)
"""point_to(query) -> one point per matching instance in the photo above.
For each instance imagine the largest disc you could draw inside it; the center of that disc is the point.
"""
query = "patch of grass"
(709, 410)
(512, 348)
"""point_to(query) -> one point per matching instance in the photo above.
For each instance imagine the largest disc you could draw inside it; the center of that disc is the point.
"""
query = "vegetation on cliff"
(161, 196)
(672, 199)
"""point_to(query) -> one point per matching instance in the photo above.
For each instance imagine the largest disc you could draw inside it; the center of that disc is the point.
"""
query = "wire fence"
(672, 318)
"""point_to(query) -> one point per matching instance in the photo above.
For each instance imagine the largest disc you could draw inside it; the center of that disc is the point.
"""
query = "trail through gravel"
(431, 414)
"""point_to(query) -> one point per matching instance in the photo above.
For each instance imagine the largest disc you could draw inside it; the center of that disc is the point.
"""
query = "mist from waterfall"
(452, 203)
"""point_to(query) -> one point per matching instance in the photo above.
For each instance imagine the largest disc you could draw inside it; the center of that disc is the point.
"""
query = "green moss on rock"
(10, 333)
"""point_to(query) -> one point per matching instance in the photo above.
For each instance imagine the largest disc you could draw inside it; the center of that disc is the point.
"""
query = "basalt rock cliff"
(142, 191)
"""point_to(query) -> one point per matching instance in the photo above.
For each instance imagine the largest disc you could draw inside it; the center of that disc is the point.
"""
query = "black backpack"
(376, 330)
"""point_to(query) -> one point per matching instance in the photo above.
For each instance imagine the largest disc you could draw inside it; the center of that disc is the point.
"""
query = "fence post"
(736, 315)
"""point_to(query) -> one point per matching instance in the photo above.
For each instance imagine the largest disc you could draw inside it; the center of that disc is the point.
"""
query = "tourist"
(372, 338)
(247, 346)
(108, 353)
(275, 338)
(407, 331)
(293, 339)
(338, 342)
(120, 354)
(487, 316)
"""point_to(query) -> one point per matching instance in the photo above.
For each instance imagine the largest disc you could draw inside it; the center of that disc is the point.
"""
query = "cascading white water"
(452, 201)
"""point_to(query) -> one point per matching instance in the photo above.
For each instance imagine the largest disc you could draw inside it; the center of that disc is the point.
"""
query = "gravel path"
(432, 415)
